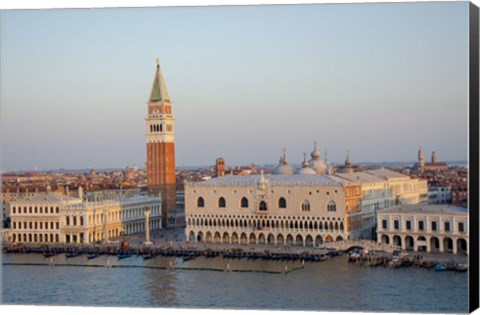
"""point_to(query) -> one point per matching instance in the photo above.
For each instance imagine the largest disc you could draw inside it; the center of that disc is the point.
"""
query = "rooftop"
(386, 173)
(360, 177)
(276, 180)
(49, 197)
(425, 208)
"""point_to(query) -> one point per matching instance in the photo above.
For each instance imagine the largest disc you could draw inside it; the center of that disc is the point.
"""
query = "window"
(409, 225)
(221, 202)
(200, 202)
(396, 224)
(420, 225)
(461, 227)
(57, 210)
(244, 202)
(434, 225)
(14, 210)
(282, 203)
(68, 221)
(306, 206)
(447, 226)
(57, 225)
(262, 206)
(331, 206)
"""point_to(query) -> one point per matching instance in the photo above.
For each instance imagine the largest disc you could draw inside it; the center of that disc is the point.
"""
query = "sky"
(379, 80)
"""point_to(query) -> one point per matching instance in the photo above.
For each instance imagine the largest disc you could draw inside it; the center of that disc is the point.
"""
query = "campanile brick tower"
(161, 146)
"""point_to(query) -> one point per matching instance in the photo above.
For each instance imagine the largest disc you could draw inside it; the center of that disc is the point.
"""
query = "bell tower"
(160, 140)
(421, 160)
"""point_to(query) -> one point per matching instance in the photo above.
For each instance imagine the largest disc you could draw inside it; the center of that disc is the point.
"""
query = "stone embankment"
(404, 259)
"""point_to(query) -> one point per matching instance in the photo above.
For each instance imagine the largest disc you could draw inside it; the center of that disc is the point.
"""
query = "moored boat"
(439, 267)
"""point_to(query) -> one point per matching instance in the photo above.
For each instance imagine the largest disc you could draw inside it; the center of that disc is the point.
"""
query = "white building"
(439, 194)
(54, 218)
(301, 210)
(430, 228)
(38, 219)
(375, 195)
(405, 189)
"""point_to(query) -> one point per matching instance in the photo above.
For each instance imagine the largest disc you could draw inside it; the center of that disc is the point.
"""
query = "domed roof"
(283, 167)
(319, 166)
(305, 169)
(315, 153)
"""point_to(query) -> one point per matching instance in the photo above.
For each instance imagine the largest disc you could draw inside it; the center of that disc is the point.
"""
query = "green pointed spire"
(159, 89)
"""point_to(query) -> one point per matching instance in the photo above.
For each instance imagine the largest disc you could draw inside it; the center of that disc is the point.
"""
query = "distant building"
(219, 167)
(160, 166)
(439, 194)
(405, 189)
(430, 228)
(110, 194)
(434, 166)
(375, 195)
(460, 193)
(348, 167)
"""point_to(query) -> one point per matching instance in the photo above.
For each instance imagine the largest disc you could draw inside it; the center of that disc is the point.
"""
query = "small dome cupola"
(283, 167)
(305, 169)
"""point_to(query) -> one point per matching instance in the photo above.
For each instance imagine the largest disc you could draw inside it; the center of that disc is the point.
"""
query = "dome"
(283, 167)
(305, 169)
(319, 166)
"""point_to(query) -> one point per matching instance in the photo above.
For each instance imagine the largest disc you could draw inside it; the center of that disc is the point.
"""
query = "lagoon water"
(334, 284)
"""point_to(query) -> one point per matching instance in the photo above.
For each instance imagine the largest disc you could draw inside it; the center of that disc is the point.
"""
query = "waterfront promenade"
(171, 242)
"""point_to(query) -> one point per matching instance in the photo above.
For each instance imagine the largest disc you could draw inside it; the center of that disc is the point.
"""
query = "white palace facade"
(301, 209)
(430, 228)
(56, 218)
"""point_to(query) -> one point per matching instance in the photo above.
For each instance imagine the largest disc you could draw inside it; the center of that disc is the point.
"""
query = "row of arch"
(432, 244)
(261, 238)
(262, 205)
(336, 226)
(156, 128)
(35, 237)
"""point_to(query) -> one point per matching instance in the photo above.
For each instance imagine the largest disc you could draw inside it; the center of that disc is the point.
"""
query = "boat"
(187, 257)
(462, 267)
(48, 254)
(439, 267)
(123, 256)
(71, 254)
(148, 256)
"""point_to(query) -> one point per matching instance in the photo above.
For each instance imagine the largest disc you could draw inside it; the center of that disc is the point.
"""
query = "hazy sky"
(378, 79)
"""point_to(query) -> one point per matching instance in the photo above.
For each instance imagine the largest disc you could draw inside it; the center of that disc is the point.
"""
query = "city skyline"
(241, 91)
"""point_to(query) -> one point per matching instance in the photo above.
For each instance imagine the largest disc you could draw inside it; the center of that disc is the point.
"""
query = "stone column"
(454, 245)
(147, 226)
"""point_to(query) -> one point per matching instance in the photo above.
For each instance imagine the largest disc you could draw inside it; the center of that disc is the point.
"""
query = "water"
(330, 285)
